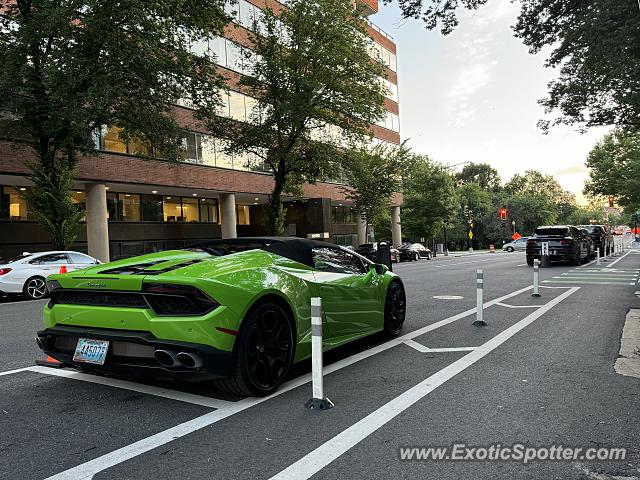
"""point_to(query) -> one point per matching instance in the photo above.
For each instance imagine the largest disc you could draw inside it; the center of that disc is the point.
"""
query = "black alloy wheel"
(264, 352)
(395, 307)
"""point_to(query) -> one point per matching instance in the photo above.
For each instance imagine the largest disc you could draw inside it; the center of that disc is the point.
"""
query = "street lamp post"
(446, 249)
(513, 224)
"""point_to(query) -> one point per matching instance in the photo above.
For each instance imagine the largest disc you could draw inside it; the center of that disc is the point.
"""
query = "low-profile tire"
(35, 288)
(395, 307)
(263, 352)
(509, 249)
(530, 261)
(416, 256)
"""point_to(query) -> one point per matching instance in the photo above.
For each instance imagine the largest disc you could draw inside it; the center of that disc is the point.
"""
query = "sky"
(472, 96)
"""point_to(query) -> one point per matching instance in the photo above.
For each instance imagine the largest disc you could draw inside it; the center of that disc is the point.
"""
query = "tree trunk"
(275, 210)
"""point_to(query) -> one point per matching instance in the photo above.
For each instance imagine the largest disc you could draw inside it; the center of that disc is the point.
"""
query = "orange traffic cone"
(63, 269)
(50, 362)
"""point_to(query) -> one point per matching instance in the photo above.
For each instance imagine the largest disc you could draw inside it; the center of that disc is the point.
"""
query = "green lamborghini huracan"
(235, 311)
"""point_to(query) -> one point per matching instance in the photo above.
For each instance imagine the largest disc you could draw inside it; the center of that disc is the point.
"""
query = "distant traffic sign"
(470, 235)
(516, 236)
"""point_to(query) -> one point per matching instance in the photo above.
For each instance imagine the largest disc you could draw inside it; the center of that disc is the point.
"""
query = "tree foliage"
(373, 176)
(482, 174)
(436, 14)
(429, 199)
(614, 168)
(70, 67)
(318, 92)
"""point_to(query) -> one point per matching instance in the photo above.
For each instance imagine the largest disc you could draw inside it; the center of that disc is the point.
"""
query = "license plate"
(91, 351)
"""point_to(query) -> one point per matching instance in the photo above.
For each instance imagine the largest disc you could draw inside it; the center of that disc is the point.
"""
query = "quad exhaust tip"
(170, 359)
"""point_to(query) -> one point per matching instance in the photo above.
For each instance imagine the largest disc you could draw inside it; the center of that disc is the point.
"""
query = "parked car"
(519, 245)
(602, 237)
(235, 311)
(566, 244)
(414, 252)
(26, 274)
(370, 251)
(591, 244)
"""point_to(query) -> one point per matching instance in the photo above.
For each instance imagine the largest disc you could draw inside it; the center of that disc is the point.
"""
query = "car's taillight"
(4, 271)
(168, 299)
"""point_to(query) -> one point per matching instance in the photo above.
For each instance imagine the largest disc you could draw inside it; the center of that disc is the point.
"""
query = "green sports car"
(235, 311)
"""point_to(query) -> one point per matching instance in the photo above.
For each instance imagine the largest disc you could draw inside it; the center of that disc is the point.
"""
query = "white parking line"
(322, 456)
(616, 261)
(517, 306)
(89, 469)
(17, 370)
(452, 349)
(135, 387)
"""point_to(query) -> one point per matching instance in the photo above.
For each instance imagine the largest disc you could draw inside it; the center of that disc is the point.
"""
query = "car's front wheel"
(416, 256)
(509, 249)
(35, 288)
(395, 306)
(263, 353)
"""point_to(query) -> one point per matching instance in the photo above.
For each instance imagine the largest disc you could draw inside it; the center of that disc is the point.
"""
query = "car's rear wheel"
(577, 260)
(35, 288)
(395, 307)
(263, 354)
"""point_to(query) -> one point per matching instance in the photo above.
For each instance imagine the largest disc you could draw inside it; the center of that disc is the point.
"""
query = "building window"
(13, 206)
(242, 215)
(172, 209)
(344, 215)
(111, 141)
(112, 207)
(129, 207)
(208, 210)
(151, 208)
(190, 210)
(350, 240)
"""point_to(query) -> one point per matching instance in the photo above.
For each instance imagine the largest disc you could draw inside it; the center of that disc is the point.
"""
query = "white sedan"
(26, 274)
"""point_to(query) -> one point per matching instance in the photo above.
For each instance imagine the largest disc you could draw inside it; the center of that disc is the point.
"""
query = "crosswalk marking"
(597, 276)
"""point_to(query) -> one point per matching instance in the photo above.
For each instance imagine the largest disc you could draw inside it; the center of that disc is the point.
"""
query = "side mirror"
(379, 268)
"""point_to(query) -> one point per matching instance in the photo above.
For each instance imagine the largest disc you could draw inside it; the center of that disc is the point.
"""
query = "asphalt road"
(540, 373)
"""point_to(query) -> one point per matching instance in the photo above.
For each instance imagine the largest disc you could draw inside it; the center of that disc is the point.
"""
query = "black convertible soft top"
(293, 248)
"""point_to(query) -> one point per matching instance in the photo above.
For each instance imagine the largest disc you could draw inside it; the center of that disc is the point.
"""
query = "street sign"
(516, 236)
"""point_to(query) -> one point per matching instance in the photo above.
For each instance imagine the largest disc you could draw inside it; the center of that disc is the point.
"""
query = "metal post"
(479, 294)
(598, 256)
(536, 279)
(319, 401)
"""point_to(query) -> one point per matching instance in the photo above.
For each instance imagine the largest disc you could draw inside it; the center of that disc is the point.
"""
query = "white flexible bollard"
(479, 296)
(318, 401)
(536, 279)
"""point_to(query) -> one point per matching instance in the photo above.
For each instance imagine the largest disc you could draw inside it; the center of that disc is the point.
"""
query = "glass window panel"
(129, 204)
(78, 197)
(223, 159)
(242, 161)
(223, 108)
(218, 50)
(16, 206)
(190, 209)
(243, 215)
(246, 13)
(231, 10)
(236, 106)
(393, 61)
(208, 150)
(112, 141)
(234, 56)
(151, 207)
(112, 207)
(172, 209)
(200, 47)
(137, 146)
(190, 147)
(209, 210)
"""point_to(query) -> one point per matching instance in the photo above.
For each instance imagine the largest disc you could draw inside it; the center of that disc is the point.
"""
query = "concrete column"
(228, 212)
(362, 231)
(97, 223)
(396, 231)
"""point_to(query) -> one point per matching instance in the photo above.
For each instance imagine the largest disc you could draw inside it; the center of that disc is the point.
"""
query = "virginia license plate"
(91, 351)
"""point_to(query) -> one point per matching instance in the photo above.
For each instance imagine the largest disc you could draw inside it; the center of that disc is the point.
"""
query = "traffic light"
(503, 214)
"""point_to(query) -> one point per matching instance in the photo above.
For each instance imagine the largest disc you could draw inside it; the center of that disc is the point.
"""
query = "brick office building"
(136, 205)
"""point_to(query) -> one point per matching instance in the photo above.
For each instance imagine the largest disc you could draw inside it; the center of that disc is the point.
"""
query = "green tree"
(614, 168)
(70, 67)
(429, 198)
(372, 177)
(482, 174)
(318, 92)
(593, 45)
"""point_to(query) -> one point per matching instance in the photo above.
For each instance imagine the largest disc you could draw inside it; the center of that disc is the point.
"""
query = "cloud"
(577, 169)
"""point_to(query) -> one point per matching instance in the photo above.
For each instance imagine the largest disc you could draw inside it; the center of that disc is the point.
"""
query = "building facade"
(134, 205)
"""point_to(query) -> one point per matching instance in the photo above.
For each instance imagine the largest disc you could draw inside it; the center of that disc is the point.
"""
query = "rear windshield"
(552, 232)
(592, 228)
